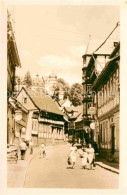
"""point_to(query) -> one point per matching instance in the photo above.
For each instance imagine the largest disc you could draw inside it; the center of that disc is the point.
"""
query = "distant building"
(75, 126)
(50, 84)
(38, 84)
(44, 84)
(45, 120)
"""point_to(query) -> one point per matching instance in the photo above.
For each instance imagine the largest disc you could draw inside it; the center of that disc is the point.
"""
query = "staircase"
(12, 155)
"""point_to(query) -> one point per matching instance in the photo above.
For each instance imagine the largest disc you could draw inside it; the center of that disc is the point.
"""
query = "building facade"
(94, 61)
(106, 100)
(18, 121)
(13, 61)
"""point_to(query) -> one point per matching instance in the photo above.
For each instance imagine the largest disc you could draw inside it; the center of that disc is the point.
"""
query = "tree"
(76, 92)
(63, 86)
(27, 79)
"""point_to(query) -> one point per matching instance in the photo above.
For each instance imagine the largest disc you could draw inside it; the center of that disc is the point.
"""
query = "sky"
(52, 39)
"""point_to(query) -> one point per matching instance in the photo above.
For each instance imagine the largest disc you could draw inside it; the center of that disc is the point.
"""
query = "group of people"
(23, 148)
(87, 154)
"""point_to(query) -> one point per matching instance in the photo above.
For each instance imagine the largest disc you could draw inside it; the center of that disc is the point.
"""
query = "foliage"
(61, 86)
(27, 79)
(76, 92)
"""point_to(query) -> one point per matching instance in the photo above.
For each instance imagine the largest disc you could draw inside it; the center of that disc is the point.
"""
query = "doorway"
(113, 139)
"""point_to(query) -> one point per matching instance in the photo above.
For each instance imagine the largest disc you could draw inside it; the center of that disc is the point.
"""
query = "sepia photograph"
(63, 66)
(63, 96)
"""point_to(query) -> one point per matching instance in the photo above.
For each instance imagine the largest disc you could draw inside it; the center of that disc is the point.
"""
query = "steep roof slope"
(43, 102)
(106, 46)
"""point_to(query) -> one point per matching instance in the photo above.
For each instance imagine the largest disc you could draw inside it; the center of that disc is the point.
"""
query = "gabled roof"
(16, 104)
(43, 102)
(108, 45)
(74, 108)
(104, 47)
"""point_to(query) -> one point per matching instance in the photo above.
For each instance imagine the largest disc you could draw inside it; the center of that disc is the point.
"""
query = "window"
(114, 84)
(32, 124)
(103, 133)
(99, 98)
(115, 44)
(102, 99)
(88, 88)
(111, 87)
(25, 100)
(84, 61)
(95, 99)
(108, 89)
(88, 105)
(100, 133)
(105, 94)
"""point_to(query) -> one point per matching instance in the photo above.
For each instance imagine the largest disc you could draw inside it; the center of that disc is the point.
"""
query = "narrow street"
(54, 172)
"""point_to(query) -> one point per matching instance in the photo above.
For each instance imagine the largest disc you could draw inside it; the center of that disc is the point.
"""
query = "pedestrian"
(72, 155)
(91, 155)
(23, 148)
(27, 143)
(31, 146)
(84, 158)
(42, 151)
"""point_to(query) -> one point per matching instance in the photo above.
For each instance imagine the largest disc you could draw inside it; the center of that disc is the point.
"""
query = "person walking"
(84, 158)
(23, 148)
(31, 146)
(91, 155)
(72, 155)
(42, 151)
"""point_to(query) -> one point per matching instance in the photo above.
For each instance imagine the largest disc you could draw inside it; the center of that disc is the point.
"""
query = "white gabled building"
(45, 120)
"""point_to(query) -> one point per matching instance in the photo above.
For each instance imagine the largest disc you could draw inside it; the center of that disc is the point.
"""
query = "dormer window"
(25, 100)
(115, 44)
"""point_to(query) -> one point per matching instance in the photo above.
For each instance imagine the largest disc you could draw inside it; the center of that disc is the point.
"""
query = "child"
(42, 151)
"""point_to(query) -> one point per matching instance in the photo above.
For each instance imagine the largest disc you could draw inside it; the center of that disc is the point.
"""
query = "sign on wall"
(18, 115)
(92, 125)
(92, 111)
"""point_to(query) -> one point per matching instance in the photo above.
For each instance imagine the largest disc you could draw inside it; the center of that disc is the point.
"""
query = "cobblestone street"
(54, 172)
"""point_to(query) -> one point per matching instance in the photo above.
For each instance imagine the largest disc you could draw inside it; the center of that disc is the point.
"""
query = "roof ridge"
(51, 106)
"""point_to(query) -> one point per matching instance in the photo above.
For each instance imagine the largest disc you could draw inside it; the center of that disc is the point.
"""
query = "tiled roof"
(108, 46)
(43, 102)
(74, 108)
